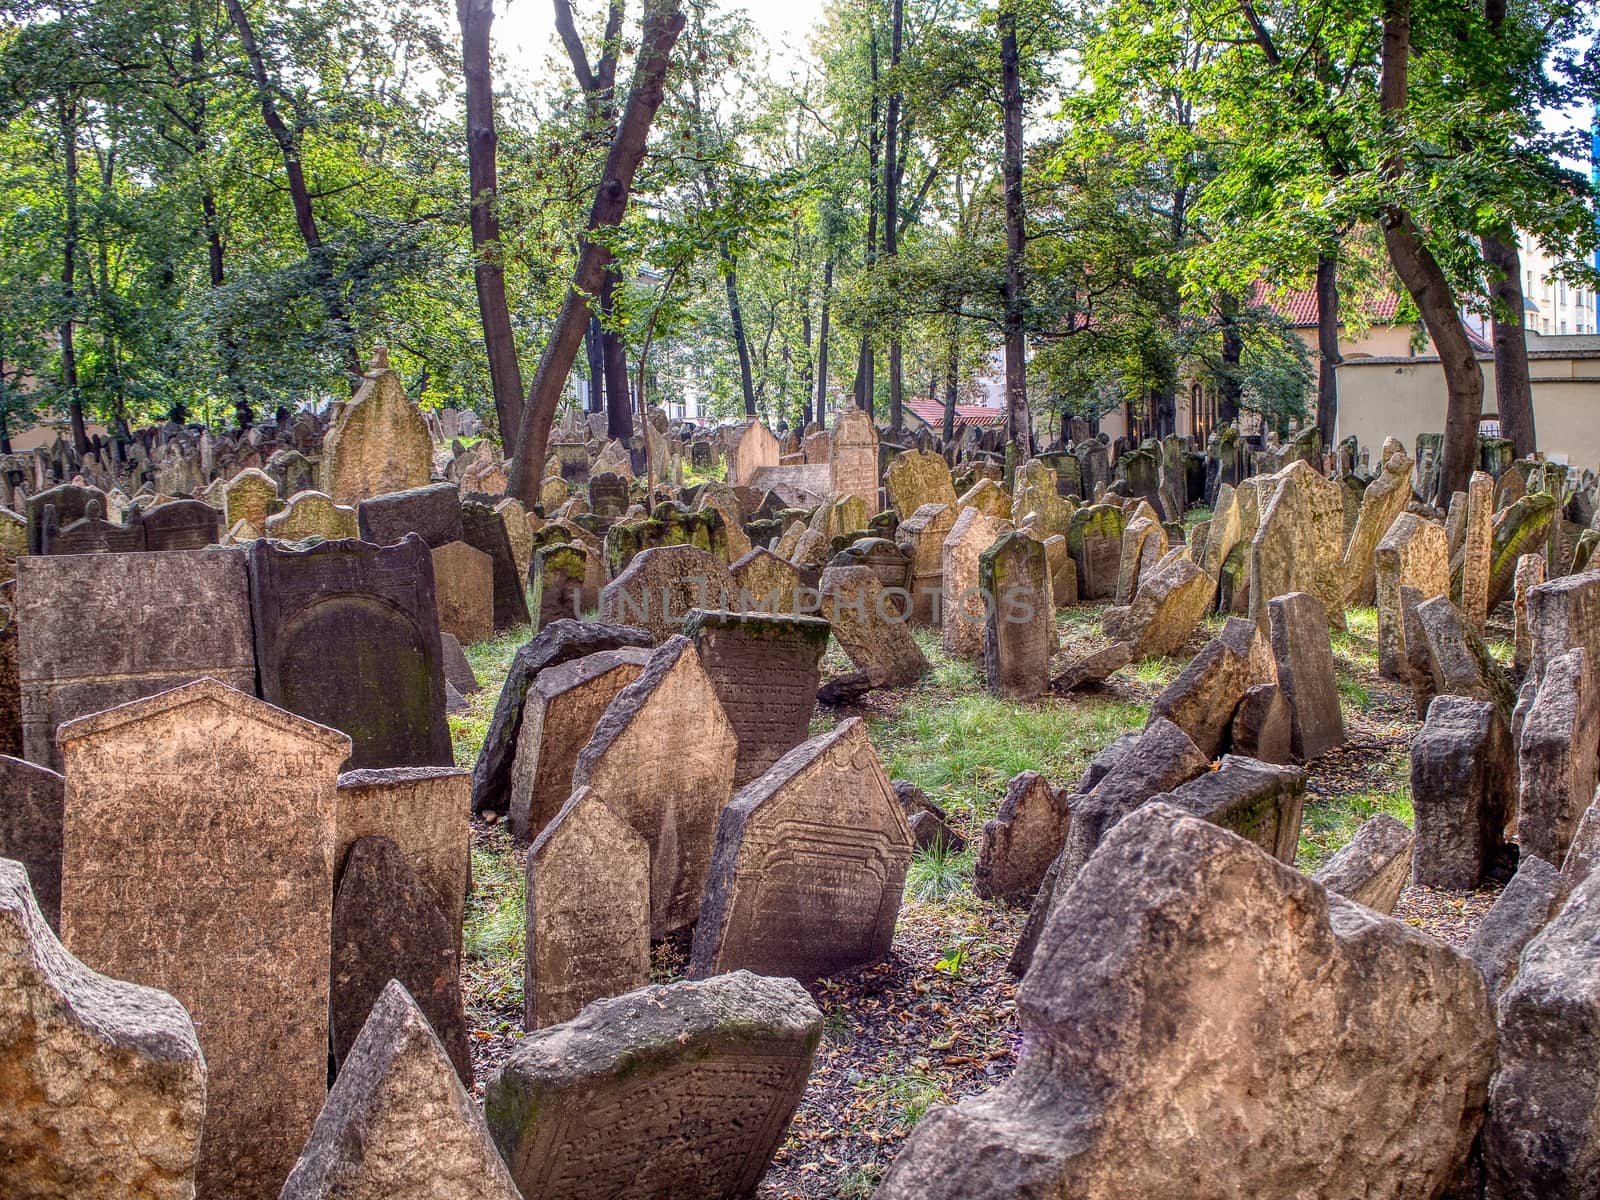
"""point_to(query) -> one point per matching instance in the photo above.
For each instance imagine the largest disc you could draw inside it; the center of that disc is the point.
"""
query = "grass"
(938, 872)
(1329, 824)
(494, 936)
(1154, 672)
(491, 663)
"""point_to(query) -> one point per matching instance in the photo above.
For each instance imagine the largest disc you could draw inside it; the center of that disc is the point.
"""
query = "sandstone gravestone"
(1013, 574)
(231, 917)
(1300, 644)
(661, 586)
(1022, 840)
(765, 670)
(1384, 499)
(1563, 614)
(397, 1122)
(556, 582)
(347, 634)
(105, 1088)
(1372, 867)
(181, 525)
(433, 513)
(809, 865)
(588, 917)
(135, 624)
(916, 478)
(853, 457)
(1558, 756)
(311, 514)
(1297, 546)
(484, 529)
(387, 926)
(680, 1090)
(1529, 575)
(377, 443)
(564, 704)
(251, 496)
(31, 800)
(1094, 540)
(1413, 554)
(1179, 996)
(923, 534)
(868, 627)
(1461, 791)
(668, 787)
(1260, 802)
(1476, 548)
(1035, 491)
(1527, 904)
(463, 582)
(767, 584)
(963, 604)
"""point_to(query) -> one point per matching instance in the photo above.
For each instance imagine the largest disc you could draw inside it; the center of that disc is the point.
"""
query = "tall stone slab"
(31, 799)
(484, 529)
(963, 604)
(347, 635)
(916, 478)
(198, 859)
(564, 704)
(669, 787)
(1021, 841)
(104, 1085)
(922, 535)
(99, 630)
(1558, 756)
(1297, 547)
(252, 496)
(809, 865)
(1462, 778)
(1035, 491)
(767, 583)
(1094, 540)
(463, 584)
(661, 586)
(868, 626)
(1562, 614)
(1413, 554)
(588, 931)
(377, 443)
(1477, 548)
(1020, 617)
(432, 512)
(1385, 499)
(765, 670)
(853, 457)
(1298, 631)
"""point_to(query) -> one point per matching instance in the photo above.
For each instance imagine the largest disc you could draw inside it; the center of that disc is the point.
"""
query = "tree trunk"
(488, 270)
(663, 22)
(864, 387)
(595, 355)
(952, 368)
(1419, 270)
(1229, 388)
(299, 194)
(1328, 348)
(67, 106)
(1513, 393)
(614, 360)
(822, 345)
(1018, 427)
(808, 375)
(891, 201)
(730, 277)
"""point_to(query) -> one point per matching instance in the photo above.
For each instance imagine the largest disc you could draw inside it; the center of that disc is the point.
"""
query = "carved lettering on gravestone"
(853, 457)
(181, 525)
(31, 800)
(229, 916)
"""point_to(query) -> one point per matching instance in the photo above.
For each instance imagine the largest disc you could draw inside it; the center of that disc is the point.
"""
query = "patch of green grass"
(860, 1182)
(1355, 650)
(1504, 651)
(1194, 516)
(1154, 671)
(717, 471)
(1330, 822)
(938, 873)
(491, 662)
(909, 1094)
(495, 931)
(1353, 695)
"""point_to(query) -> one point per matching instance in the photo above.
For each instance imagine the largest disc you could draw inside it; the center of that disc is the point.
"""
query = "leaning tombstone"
(31, 799)
(1021, 841)
(963, 603)
(398, 1122)
(1462, 780)
(231, 917)
(1304, 653)
(484, 529)
(105, 1086)
(681, 1089)
(347, 634)
(588, 911)
(809, 865)
(868, 627)
(1372, 868)
(662, 585)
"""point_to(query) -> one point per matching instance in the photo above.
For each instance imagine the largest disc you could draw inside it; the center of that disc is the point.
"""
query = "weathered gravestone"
(1020, 616)
(923, 534)
(681, 1090)
(916, 478)
(347, 634)
(556, 582)
(484, 529)
(1476, 548)
(311, 514)
(1094, 540)
(1558, 755)
(853, 457)
(181, 525)
(95, 631)
(765, 671)
(1202, 700)
(1526, 905)
(230, 916)
(1462, 776)
(1563, 614)
(397, 1122)
(387, 925)
(766, 583)
(564, 703)
(1035, 491)
(104, 1085)
(1372, 867)
(377, 443)
(1298, 545)
(1323, 1050)
(463, 584)
(1166, 610)
(588, 914)
(661, 586)
(433, 513)
(963, 603)
(809, 865)
(31, 800)
(251, 496)
(669, 787)
(1384, 499)
(1260, 802)
(71, 503)
(1413, 554)
(868, 627)
(1021, 841)
(1298, 629)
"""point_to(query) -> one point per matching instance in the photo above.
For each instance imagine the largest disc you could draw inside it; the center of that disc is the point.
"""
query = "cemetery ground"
(936, 1020)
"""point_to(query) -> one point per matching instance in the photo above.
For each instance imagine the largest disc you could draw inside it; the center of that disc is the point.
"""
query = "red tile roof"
(932, 412)
(1299, 308)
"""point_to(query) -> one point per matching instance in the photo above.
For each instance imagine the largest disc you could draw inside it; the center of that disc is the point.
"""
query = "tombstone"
(680, 1089)
(669, 788)
(923, 533)
(1383, 500)
(588, 933)
(1523, 528)
(292, 472)
(1144, 544)
(1298, 630)
(1165, 611)
(1094, 540)
(398, 1121)
(388, 926)
(231, 917)
(137, 624)
(853, 457)
(572, 463)
(1202, 700)
(1020, 616)
(1413, 554)
(868, 627)
(1454, 658)
(1462, 781)
(433, 513)
(1021, 841)
(1557, 764)
(31, 799)
(483, 529)
(608, 495)
(347, 634)
(105, 1084)
(1529, 575)
(1373, 867)
(311, 515)
(1537, 1138)
(1477, 545)
(1035, 491)
(92, 534)
(556, 582)
(916, 478)
(766, 583)
(809, 865)
(251, 496)
(71, 503)
(464, 589)
(1255, 972)
(378, 442)
(564, 703)
(1260, 802)
(988, 497)
(1297, 546)
(181, 525)
(660, 587)
(1563, 614)
(1528, 903)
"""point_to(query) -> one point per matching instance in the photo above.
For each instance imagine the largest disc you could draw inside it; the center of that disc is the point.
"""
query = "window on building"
(1563, 327)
